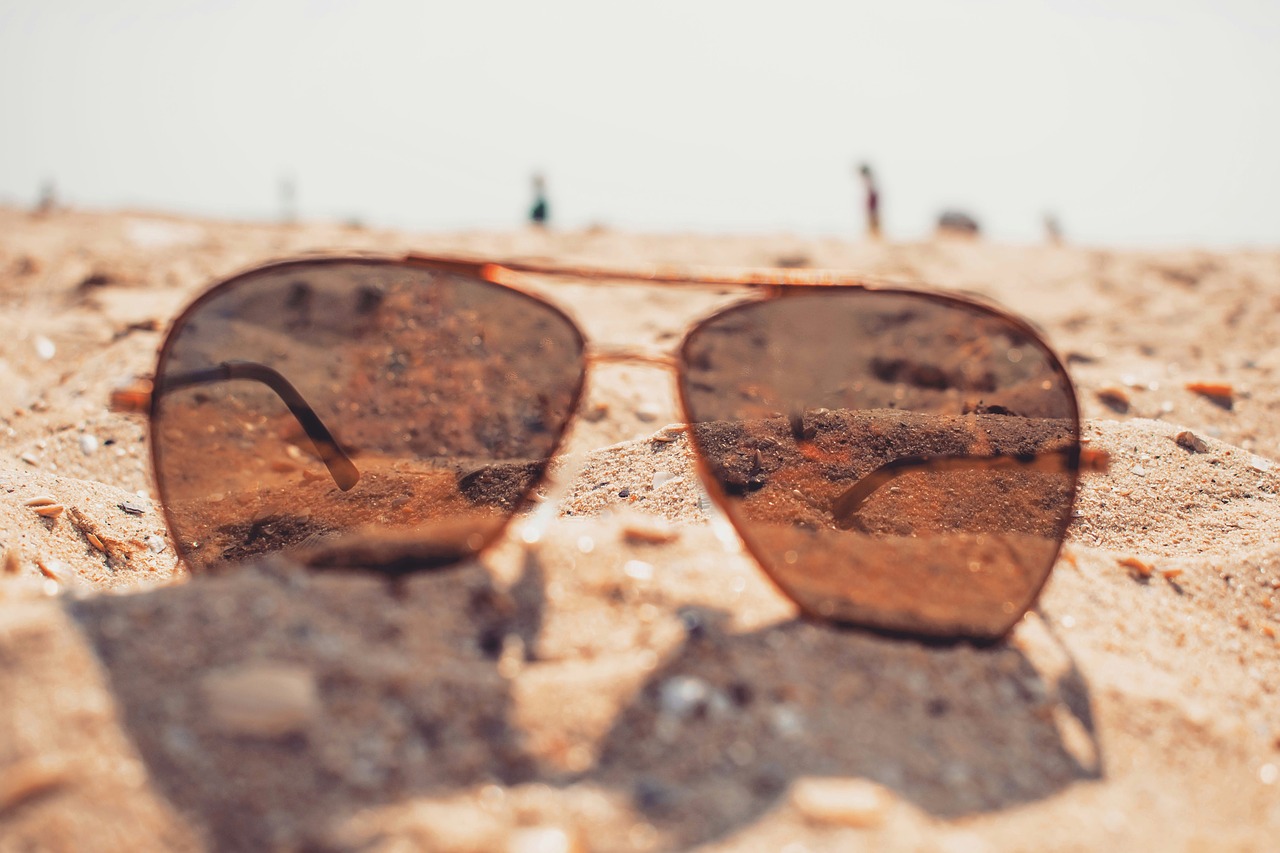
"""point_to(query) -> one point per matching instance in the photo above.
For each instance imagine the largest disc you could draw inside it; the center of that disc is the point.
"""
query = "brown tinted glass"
(307, 405)
(901, 461)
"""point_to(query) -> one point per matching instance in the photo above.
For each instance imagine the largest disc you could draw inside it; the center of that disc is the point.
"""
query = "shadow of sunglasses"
(894, 459)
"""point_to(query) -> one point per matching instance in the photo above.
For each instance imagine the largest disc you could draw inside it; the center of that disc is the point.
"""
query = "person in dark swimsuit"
(539, 213)
(873, 200)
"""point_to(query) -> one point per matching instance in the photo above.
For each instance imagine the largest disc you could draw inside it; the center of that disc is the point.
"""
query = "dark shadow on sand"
(955, 730)
(415, 706)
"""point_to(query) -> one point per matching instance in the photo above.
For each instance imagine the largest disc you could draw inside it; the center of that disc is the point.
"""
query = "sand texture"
(616, 673)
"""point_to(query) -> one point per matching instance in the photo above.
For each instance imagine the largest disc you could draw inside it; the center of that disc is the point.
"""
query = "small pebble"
(786, 721)
(262, 700)
(661, 478)
(639, 570)
(45, 348)
(1260, 463)
(1269, 774)
(683, 695)
(29, 458)
(88, 444)
(156, 543)
(648, 412)
(1191, 441)
(847, 802)
(1139, 470)
(543, 839)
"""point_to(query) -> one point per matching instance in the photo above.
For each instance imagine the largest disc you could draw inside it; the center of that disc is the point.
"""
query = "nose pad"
(630, 394)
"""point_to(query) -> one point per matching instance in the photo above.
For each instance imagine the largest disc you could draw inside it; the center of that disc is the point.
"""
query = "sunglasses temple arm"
(1062, 460)
(340, 466)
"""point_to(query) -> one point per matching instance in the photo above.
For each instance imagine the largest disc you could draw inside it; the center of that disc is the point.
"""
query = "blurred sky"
(1137, 123)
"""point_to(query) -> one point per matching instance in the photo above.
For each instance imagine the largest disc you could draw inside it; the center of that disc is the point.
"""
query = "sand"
(617, 674)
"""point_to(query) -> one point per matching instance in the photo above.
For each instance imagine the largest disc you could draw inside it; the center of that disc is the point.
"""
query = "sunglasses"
(894, 459)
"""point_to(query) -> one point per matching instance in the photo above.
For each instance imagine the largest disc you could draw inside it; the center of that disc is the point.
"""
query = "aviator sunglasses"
(894, 459)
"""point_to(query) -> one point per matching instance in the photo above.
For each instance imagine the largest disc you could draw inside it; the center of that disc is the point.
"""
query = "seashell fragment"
(49, 510)
(669, 433)
(30, 777)
(58, 571)
(41, 500)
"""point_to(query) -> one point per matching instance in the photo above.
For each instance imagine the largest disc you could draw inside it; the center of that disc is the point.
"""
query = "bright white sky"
(1137, 123)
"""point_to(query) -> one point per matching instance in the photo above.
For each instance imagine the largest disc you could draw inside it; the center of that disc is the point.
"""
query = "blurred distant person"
(288, 199)
(48, 201)
(957, 223)
(539, 213)
(1052, 230)
(872, 201)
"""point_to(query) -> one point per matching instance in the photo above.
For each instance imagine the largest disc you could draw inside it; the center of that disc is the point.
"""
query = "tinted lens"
(901, 461)
(367, 413)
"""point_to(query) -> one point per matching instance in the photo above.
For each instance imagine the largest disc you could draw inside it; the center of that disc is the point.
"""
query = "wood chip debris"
(1138, 568)
(1115, 397)
(1218, 392)
(95, 535)
(648, 530)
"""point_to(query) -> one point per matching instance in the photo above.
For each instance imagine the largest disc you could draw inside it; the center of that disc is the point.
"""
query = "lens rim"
(967, 302)
(242, 278)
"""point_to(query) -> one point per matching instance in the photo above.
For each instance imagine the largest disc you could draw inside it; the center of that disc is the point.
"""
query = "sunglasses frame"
(144, 398)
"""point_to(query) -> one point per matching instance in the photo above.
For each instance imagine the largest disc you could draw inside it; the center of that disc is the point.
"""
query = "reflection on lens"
(901, 461)
(359, 412)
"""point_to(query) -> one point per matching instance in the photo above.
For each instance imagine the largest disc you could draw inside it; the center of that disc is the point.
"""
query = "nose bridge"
(631, 354)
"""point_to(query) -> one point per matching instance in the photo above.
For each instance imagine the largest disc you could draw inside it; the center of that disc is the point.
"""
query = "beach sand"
(618, 674)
